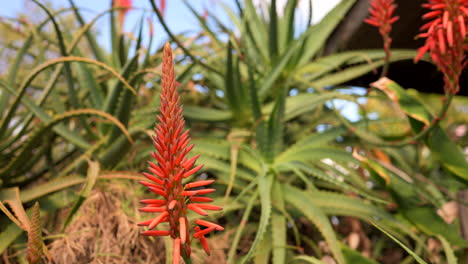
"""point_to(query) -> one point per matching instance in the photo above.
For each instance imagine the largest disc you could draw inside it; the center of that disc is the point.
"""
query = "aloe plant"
(260, 103)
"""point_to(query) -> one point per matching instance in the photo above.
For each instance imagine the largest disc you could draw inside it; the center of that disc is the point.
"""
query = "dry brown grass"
(103, 233)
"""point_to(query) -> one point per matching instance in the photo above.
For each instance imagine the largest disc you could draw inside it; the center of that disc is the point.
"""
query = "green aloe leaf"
(346, 74)
(278, 226)
(204, 24)
(414, 255)
(286, 26)
(304, 103)
(97, 51)
(307, 259)
(38, 191)
(317, 153)
(220, 149)
(238, 234)
(110, 105)
(257, 28)
(273, 31)
(305, 205)
(92, 175)
(320, 32)
(63, 131)
(352, 256)
(426, 219)
(262, 254)
(449, 254)
(36, 137)
(275, 128)
(264, 188)
(323, 65)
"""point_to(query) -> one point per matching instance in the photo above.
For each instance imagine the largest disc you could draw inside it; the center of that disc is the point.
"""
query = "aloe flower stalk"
(172, 166)
(445, 38)
(381, 16)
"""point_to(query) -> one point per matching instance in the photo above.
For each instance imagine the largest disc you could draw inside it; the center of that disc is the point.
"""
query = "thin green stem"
(386, 64)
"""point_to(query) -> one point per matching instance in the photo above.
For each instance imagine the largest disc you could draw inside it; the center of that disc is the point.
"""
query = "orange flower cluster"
(445, 36)
(172, 145)
(381, 16)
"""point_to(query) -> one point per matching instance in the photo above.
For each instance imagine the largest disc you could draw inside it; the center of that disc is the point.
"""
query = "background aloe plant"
(260, 98)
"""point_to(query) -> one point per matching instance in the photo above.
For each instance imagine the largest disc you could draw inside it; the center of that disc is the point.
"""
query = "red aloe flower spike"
(381, 16)
(172, 143)
(445, 36)
(125, 6)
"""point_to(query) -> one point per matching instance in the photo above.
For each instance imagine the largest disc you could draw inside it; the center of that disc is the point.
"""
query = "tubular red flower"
(209, 207)
(172, 143)
(198, 184)
(203, 241)
(153, 202)
(445, 36)
(183, 229)
(150, 209)
(209, 224)
(155, 233)
(201, 199)
(152, 178)
(158, 220)
(197, 209)
(171, 204)
(204, 232)
(176, 251)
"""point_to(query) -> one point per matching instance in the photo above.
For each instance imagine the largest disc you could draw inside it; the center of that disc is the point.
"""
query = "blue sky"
(177, 15)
